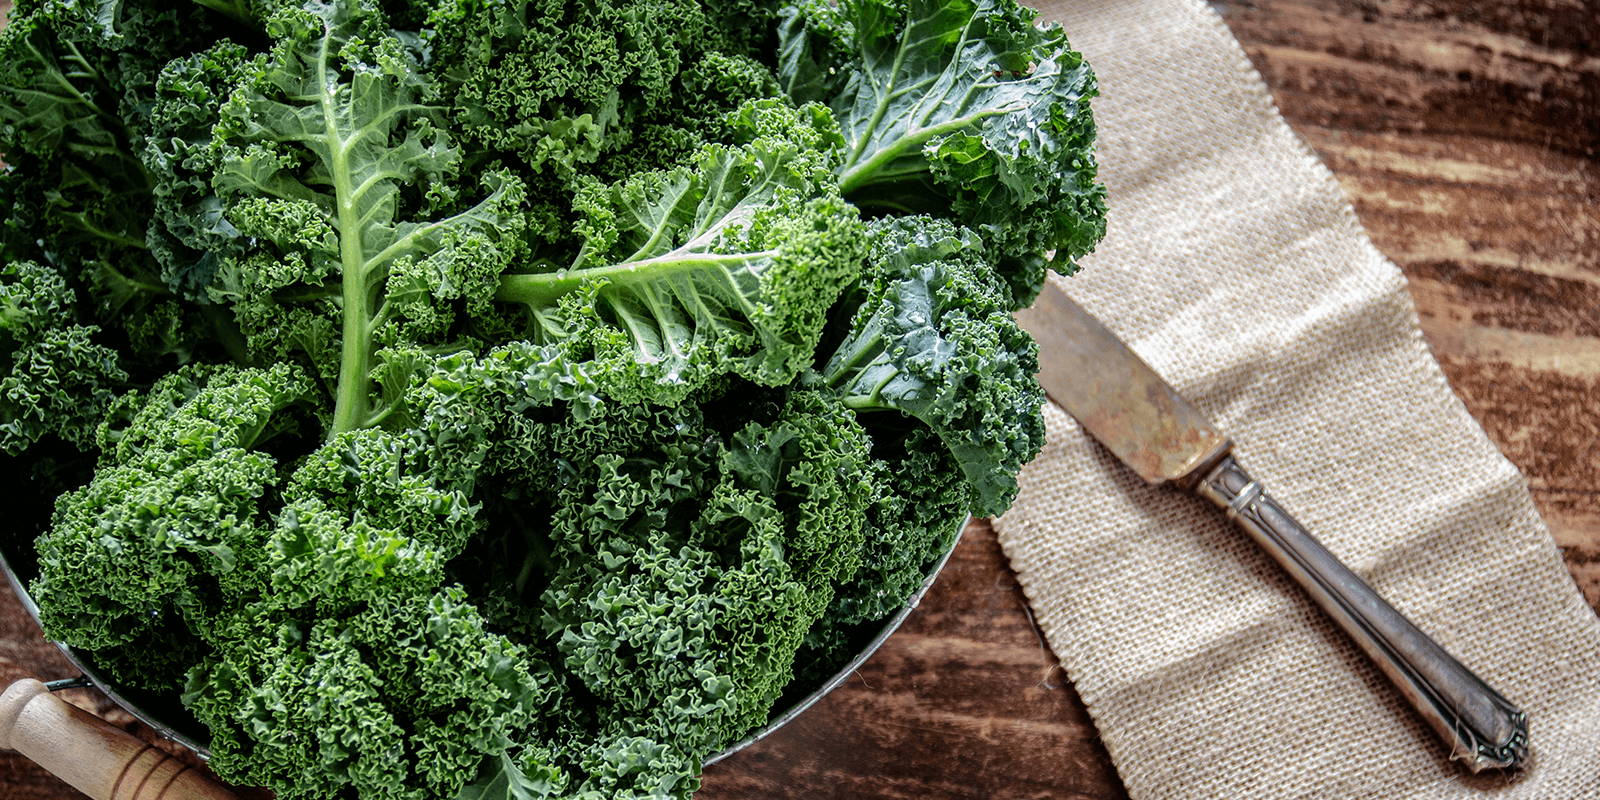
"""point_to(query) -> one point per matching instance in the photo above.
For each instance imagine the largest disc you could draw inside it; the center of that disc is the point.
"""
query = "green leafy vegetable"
(400, 700)
(964, 107)
(318, 150)
(57, 379)
(474, 399)
(75, 79)
(726, 265)
(933, 338)
(176, 497)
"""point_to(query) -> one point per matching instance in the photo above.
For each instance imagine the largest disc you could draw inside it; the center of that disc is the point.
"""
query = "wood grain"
(1468, 137)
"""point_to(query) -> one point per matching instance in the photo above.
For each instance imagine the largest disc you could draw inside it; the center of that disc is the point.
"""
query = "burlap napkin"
(1235, 266)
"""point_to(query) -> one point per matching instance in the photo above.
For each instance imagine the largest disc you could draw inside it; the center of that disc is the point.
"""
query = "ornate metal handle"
(1480, 727)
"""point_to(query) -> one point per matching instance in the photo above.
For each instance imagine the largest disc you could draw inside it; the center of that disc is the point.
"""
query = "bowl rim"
(774, 722)
(890, 625)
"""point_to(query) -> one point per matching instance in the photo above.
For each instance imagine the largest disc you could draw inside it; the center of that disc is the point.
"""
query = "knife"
(1125, 405)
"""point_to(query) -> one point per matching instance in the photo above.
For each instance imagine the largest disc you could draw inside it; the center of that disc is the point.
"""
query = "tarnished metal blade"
(1117, 397)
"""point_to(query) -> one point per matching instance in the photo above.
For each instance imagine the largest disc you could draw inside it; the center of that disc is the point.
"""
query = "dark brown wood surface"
(1468, 136)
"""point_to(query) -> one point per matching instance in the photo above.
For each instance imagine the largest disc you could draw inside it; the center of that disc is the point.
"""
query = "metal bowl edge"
(891, 625)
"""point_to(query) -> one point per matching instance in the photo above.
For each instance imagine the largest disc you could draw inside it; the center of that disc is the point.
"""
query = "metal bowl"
(890, 625)
(139, 704)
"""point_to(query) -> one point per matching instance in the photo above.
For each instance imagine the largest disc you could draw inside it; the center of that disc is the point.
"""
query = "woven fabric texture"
(1235, 266)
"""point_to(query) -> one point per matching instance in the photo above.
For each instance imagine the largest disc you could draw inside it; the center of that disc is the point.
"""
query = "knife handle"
(1480, 727)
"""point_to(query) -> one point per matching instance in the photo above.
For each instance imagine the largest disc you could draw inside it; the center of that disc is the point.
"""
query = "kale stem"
(861, 351)
(886, 96)
(352, 400)
(544, 287)
(864, 172)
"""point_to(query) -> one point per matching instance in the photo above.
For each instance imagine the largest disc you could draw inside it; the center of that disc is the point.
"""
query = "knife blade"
(1150, 427)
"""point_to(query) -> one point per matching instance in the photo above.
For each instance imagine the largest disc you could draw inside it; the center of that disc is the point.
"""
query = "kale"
(494, 399)
(964, 108)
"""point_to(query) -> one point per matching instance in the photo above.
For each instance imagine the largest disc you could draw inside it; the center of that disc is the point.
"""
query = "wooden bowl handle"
(97, 758)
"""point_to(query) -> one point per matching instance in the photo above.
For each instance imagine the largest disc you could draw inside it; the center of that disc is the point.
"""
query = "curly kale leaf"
(561, 85)
(708, 91)
(913, 520)
(932, 338)
(314, 582)
(174, 511)
(559, 92)
(702, 563)
(157, 661)
(56, 378)
(71, 79)
(959, 107)
(680, 559)
(364, 519)
(404, 699)
(328, 155)
(188, 231)
(727, 265)
(547, 80)
(75, 82)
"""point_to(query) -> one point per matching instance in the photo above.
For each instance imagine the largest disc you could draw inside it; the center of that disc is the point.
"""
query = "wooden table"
(1468, 136)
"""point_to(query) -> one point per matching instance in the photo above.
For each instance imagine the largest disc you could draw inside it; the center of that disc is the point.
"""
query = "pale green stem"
(352, 399)
(546, 287)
